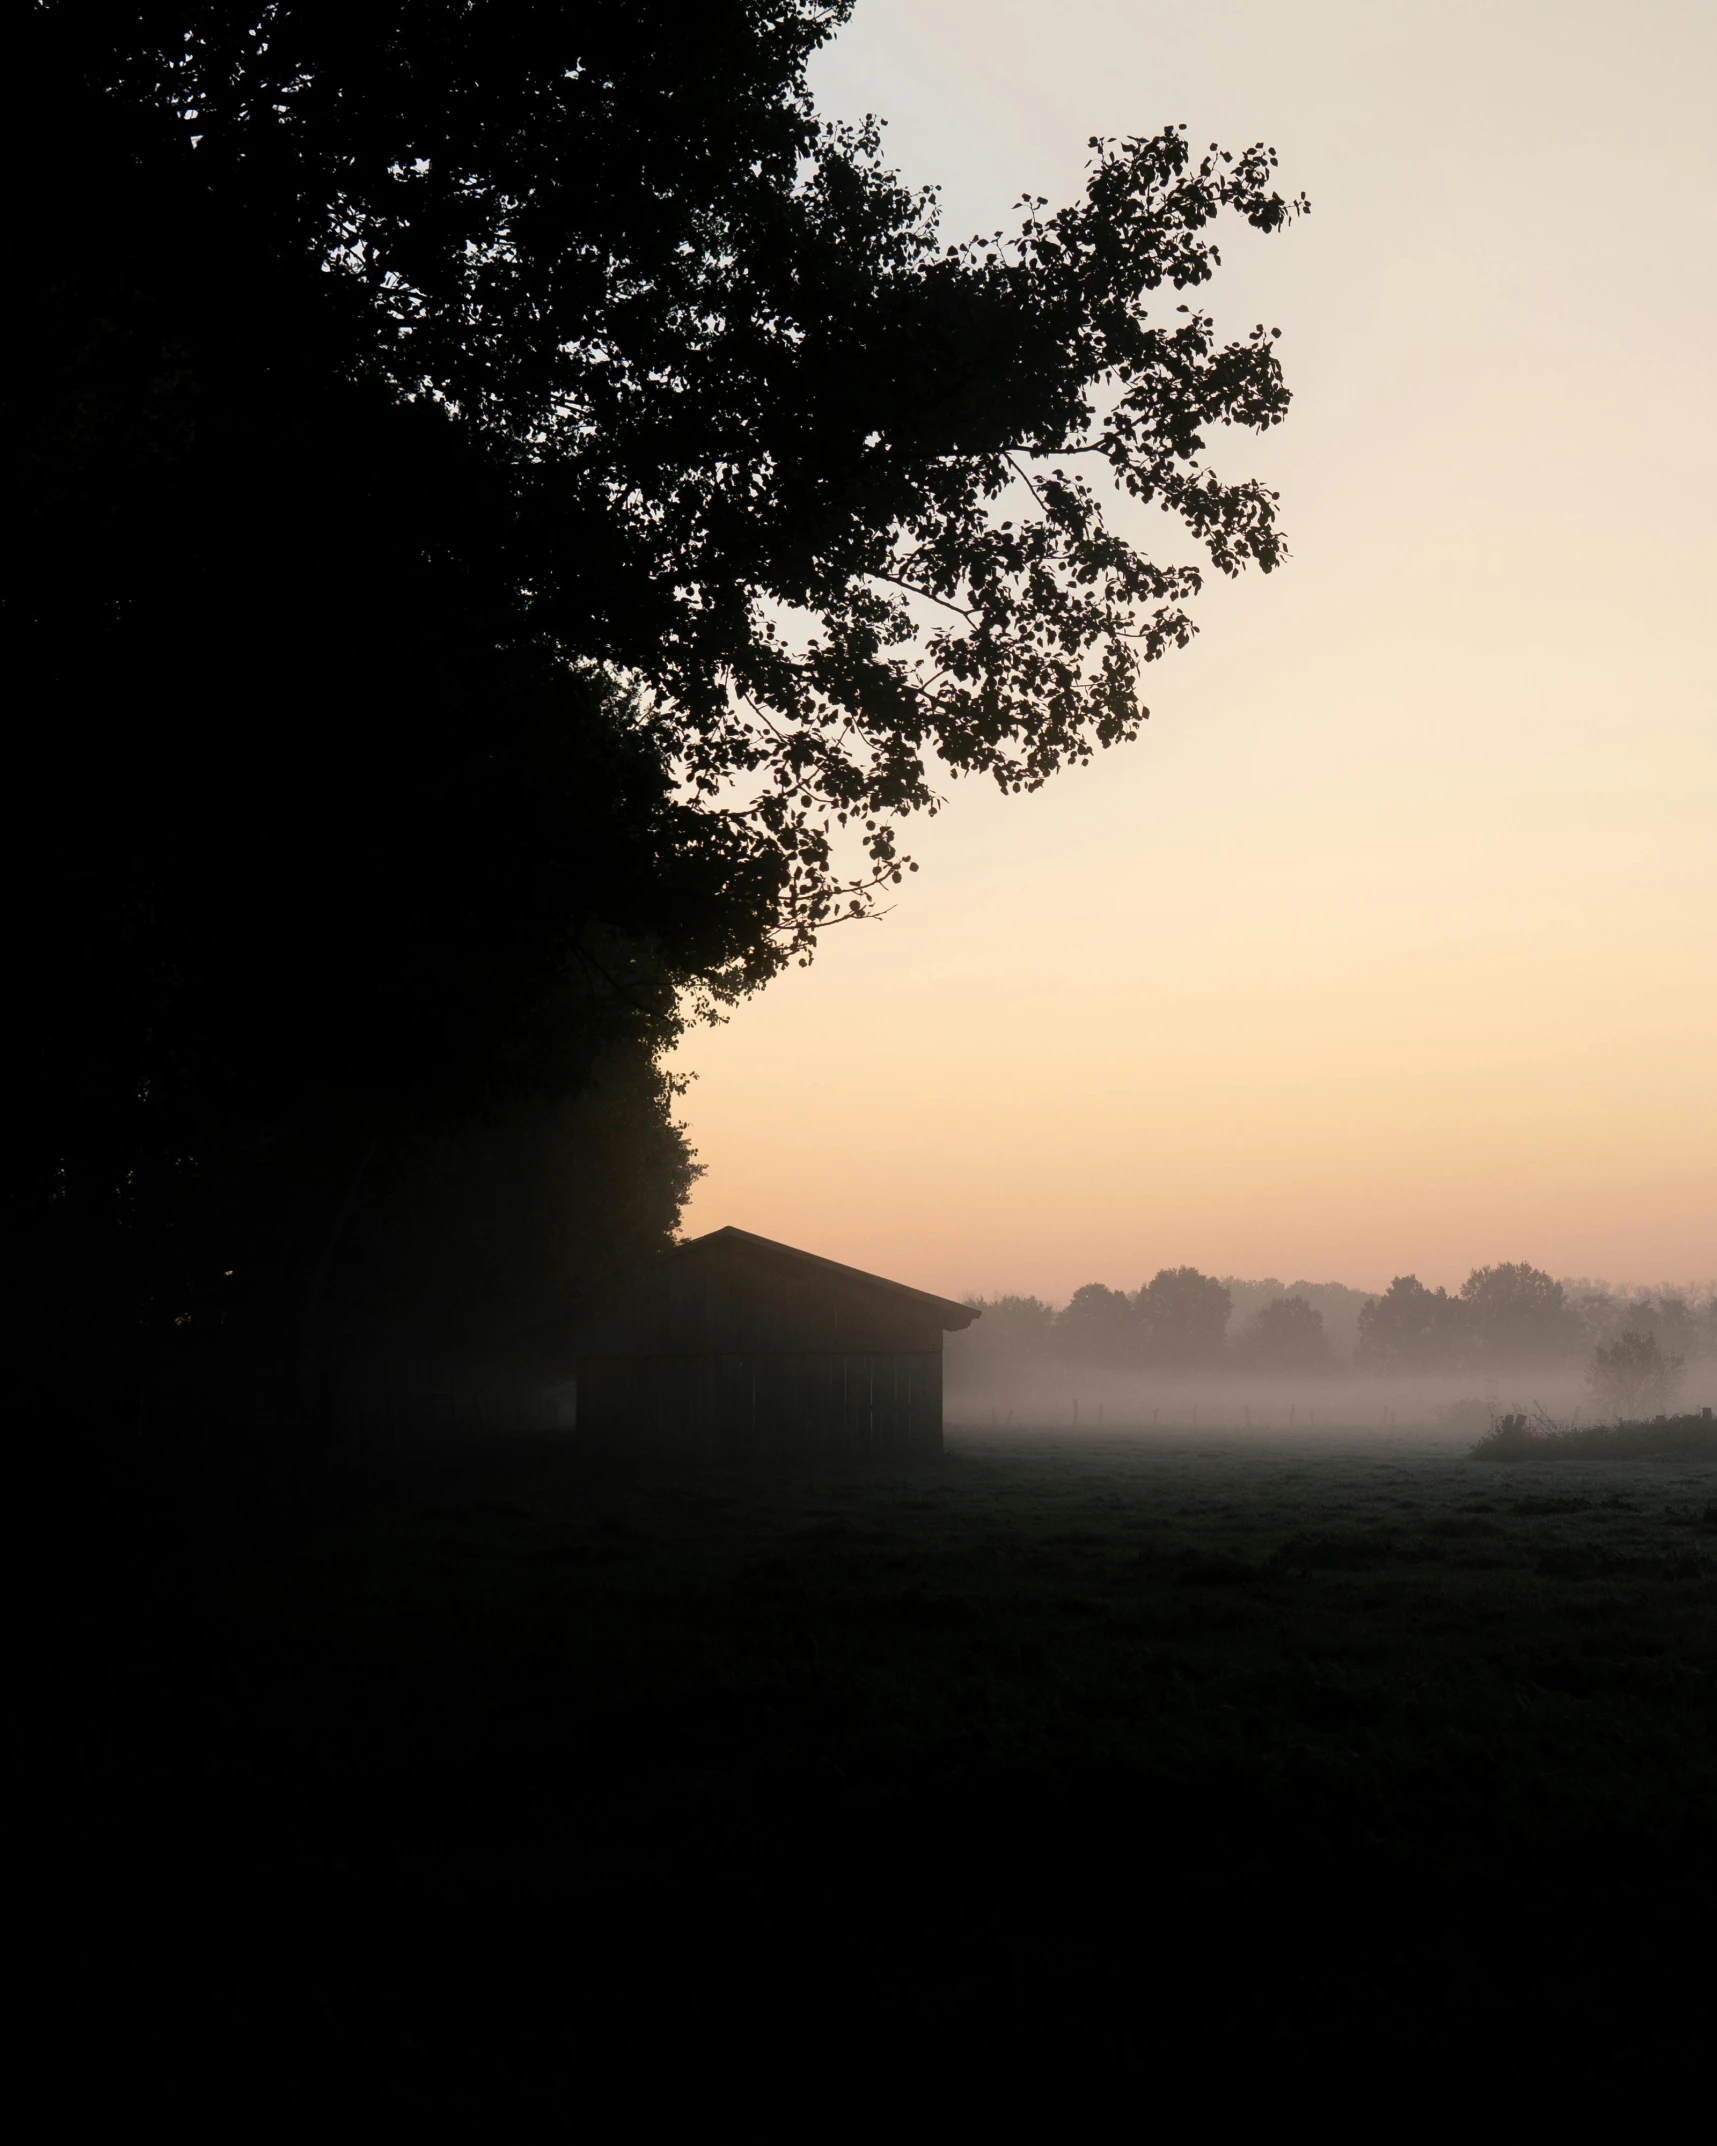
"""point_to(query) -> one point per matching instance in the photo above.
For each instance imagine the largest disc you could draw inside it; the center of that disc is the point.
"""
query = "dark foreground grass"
(491, 1792)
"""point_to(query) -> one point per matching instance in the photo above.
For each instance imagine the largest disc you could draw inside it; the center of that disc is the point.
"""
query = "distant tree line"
(1508, 1317)
(1514, 1316)
(1176, 1322)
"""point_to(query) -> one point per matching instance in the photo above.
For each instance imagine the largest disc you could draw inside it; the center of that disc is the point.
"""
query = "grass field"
(477, 1782)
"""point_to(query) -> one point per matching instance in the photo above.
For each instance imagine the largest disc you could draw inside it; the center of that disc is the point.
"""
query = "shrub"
(1686, 1437)
(1511, 1438)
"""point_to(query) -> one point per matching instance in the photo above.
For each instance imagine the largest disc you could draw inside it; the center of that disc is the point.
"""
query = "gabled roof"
(787, 1258)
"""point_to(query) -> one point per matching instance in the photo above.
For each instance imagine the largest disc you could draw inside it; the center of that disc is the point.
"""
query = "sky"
(1392, 946)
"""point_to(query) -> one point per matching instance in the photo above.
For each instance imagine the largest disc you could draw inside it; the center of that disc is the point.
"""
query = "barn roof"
(788, 1259)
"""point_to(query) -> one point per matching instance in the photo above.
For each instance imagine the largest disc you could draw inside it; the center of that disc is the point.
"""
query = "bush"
(1692, 1437)
(1511, 1438)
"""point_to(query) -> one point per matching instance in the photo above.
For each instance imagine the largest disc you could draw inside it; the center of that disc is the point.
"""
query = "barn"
(734, 1347)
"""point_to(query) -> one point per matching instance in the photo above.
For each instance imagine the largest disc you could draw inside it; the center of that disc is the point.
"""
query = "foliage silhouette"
(1100, 1326)
(1185, 1316)
(1286, 1335)
(1631, 1376)
(1516, 1314)
(1015, 1322)
(499, 491)
(1518, 1437)
(1411, 1328)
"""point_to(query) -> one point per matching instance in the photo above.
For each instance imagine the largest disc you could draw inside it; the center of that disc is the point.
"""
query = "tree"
(1412, 1328)
(1285, 1335)
(1185, 1316)
(1671, 1317)
(1518, 1315)
(503, 494)
(1680, 1320)
(459, 1255)
(1017, 1325)
(1100, 1326)
(1631, 1376)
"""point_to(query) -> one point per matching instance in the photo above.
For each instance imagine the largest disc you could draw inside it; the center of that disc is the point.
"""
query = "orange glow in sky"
(1393, 945)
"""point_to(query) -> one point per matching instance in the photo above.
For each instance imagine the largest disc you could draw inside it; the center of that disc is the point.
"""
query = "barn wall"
(736, 1405)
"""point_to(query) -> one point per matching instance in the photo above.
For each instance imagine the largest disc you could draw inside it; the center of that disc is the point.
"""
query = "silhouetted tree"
(1682, 1320)
(1286, 1335)
(497, 490)
(1185, 1316)
(1019, 1318)
(1013, 1325)
(1340, 1305)
(463, 1245)
(1516, 1314)
(1100, 1325)
(1412, 1328)
(1631, 1376)
(1675, 1323)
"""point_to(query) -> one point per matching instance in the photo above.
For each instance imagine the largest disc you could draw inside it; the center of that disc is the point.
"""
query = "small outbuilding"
(734, 1347)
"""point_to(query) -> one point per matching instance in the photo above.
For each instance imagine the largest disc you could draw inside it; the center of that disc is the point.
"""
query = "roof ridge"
(731, 1234)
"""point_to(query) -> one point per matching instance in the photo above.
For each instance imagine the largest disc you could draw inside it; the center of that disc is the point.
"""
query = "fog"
(1190, 1353)
(1023, 1395)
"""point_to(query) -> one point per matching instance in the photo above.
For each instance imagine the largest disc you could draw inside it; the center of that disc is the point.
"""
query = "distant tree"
(1411, 1328)
(1672, 1319)
(1519, 1315)
(1100, 1326)
(1184, 1318)
(1286, 1335)
(1250, 1295)
(1021, 1325)
(1340, 1305)
(1631, 1376)
(1601, 1313)
(1675, 1316)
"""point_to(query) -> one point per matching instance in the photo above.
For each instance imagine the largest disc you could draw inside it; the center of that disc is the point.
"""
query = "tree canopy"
(1101, 1325)
(512, 510)
(1518, 1314)
(716, 407)
(1185, 1316)
(1285, 1335)
(1411, 1328)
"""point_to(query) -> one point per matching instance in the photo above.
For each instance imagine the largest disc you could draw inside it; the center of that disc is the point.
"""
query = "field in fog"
(1276, 1751)
(1442, 1412)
